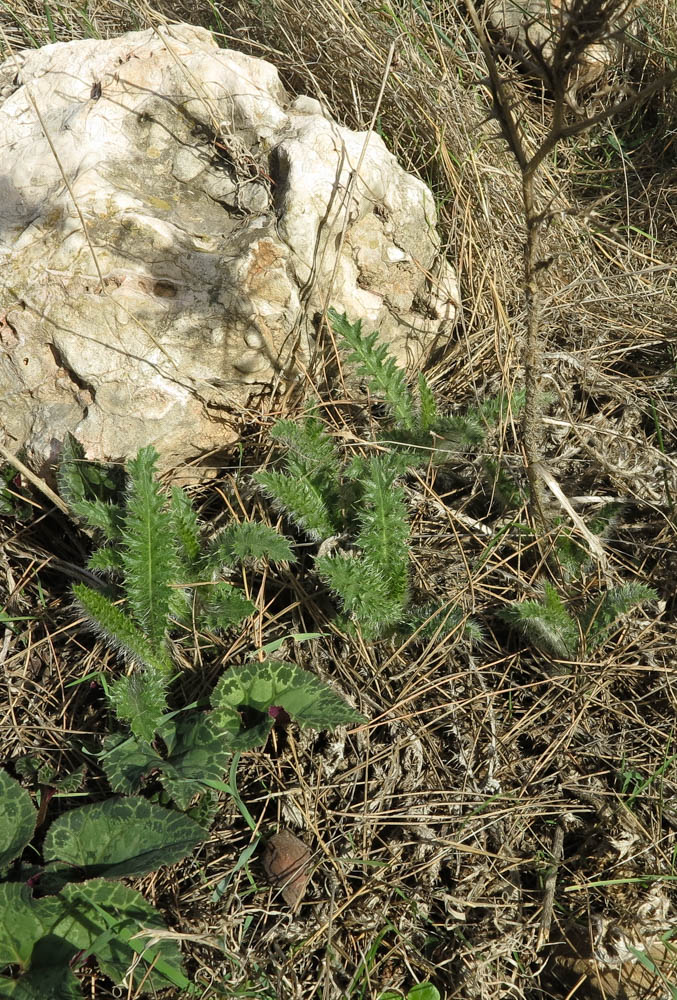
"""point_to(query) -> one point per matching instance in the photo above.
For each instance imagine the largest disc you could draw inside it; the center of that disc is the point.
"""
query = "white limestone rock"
(171, 228)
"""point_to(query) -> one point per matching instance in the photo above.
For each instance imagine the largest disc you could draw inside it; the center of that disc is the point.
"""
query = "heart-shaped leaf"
(260, 686)
(121, 837)
(17, 819)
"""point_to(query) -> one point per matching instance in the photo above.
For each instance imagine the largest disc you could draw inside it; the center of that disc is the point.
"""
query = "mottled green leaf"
(17, 819)
(260, 686)
(120, 837)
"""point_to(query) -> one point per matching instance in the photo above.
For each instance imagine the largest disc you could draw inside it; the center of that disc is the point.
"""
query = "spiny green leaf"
(222, 606)
(106, 559)
(150, 557)
(90, 489)
(378, 366)
(186, 531)
(428, 406)
(248, 541)
(119, 630)
(302, 500)
(547, 624)
(384, 526)
(311, 443)
(118, 838)
(140, 700)
(600, 617)
(17, 819)
(364, 592)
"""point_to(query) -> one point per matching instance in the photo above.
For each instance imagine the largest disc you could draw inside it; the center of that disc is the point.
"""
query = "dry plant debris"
(439, 822)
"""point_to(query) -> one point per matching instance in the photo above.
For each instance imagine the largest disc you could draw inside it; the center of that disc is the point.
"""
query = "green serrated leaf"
(107, 559)
(378, 366)
(17, 819)
(428, 406)
(140, 700)
(364, 592)
(186, 532)
(120, 631)
(250, 540)
(223, 606)
(149, 553)
(120, 837)
(260, 686)
(547, 624)
(302, 500)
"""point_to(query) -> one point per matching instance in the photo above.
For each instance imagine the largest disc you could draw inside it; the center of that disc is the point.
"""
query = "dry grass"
(434, 826)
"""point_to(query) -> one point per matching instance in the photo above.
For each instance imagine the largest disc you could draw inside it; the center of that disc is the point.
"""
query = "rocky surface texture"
(172, 226)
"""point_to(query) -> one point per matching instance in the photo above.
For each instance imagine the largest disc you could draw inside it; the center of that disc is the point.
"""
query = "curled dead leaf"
(286, 860)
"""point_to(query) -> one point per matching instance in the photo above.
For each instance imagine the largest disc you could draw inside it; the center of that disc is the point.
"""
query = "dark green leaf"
(120, 837)
(304, 696)
(17, 819)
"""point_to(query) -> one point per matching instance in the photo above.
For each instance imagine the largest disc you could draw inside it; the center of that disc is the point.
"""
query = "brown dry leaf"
(286, 860)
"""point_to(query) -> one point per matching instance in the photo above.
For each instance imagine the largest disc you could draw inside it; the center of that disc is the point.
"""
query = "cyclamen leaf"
(195, 752)
(50, 976)
(120, 837)
(17, 819)
(304, 696)
(102, 916)
(23, 922)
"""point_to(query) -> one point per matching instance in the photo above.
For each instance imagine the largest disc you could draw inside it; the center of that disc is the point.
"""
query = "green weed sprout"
(157, 561)
(359, 501)
(549, 626)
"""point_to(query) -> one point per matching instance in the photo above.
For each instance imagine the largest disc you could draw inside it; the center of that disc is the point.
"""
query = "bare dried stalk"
(588, 23)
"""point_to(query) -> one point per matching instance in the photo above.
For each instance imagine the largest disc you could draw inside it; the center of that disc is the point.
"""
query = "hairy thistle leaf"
(120, 631)
(222, 606)
(599, 618)
(384, 526)
(150, 557)
(90, 489)
(437, 621)
(311, 443)
(186, 531)
(428, 407)
(379, 367)
(249, 541)
(302, 500)
(106, 560)
(139, 700)
(547, 624)
(364, 592)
